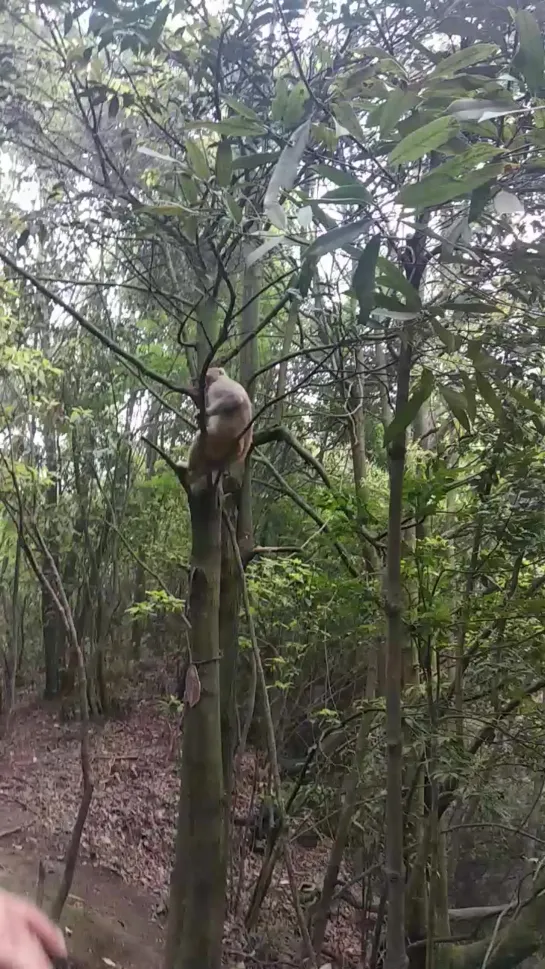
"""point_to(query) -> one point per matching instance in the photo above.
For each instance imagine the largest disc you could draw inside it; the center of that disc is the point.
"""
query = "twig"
(40, 885)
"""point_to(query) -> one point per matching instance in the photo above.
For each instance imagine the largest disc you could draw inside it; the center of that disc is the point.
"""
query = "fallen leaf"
(192, 692)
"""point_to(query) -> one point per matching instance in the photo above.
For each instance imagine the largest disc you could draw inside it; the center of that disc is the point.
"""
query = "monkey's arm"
(225, 402)
(223, 407)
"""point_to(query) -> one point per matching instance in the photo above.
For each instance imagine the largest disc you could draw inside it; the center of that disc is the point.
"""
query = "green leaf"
(197, 159)
(398, 103)
(457, 404)
(450, 340)
(248, 162)
(240, 108)
(471, 306)
(295, 105)
(337, 176)
(475, 54)
(336, 238)
(235, 127)
(468, 161)
(392, 277)
(526, 401)
(394, 307)
(430, 191)
(280, 100)
(166, 208)
(363, 281)
(234, 207)
(484, 361)
(284, 174)
(322, 217)
(424, 140)
(489, 395)
(348, 195)
(347, 117)
(530, 56)
(224, 164)
(480, 198)
(189, 189)
(322, 134)
(406, 416)
(437, 188)
(469, 392)
(190, 228)
(23, 238)
(113, 107)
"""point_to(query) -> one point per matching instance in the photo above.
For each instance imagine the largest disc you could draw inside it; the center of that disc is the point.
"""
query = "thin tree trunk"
(396, 954)
(52, 630)
(357, 427)
(248, 367)
(462, 633)
(197, 895)
(382, 377)
(349, 801)
(281, 384)
(15, 631)
(228, 637)
(138, 623)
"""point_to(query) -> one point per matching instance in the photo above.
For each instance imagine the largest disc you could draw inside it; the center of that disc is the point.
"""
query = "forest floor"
(115, 913)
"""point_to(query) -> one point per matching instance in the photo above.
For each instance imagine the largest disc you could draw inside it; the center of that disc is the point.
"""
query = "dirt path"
(104, 919)
(109, 918)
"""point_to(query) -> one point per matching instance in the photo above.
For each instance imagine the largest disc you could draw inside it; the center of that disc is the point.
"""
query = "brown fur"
(228, 413)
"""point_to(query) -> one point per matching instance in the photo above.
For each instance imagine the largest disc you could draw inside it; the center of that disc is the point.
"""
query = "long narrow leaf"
(337, 238)
(285, 172)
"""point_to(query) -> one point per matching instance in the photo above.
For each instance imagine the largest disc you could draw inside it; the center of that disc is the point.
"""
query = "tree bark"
(349, 801)
(356, 425)
(197, 896)
(396, 954)
(228, 639)
(52, 628)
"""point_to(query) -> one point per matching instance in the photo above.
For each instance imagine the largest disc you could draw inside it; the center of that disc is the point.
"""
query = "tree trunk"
(511, 944)
(52, 629)
(349, 801)
(197, 895)
(228, 639)
(138, 624)
(396, 955)
(282, 381)
(52, 634)
(357, 427)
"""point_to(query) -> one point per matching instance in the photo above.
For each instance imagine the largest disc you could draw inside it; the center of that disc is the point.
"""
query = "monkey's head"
(213, 374)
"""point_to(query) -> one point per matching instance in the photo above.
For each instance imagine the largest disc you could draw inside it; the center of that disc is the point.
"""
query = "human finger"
(22, 950)
(31, 954)
(48, 934)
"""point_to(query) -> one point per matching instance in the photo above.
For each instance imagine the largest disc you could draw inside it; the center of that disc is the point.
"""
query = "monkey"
(228, 413)
(264, 820)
